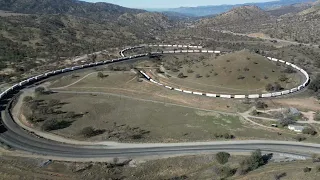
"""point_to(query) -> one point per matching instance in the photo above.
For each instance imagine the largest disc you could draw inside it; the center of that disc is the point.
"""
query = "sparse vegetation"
(251, 163)
(222, 157)
(309, 131)
(90, 132)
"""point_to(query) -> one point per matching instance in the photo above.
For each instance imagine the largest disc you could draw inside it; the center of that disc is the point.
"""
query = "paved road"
(20, 139)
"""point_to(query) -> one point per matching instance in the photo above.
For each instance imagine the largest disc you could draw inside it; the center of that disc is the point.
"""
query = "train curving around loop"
(198, 49)
(190, 49)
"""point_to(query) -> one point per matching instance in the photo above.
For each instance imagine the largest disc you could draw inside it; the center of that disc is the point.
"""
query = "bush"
(40, 90)
(261, 105)
(90, 132)
(286, 121)
(309, 131)
(190, 71)
(222, 157)
(198, 76)
(52, 124)
(181, 75)
(306, 169)
(225, 171)
(251, 163)
(300, 138)
(280, 175)
(241, 77)
(27, 99)
(283, 78)
(315, 84)
(317, 116)
(318, 168)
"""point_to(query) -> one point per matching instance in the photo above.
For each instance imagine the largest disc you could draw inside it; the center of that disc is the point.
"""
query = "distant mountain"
(290, 10)
(212, 10)
(238, 15)
(72, 7)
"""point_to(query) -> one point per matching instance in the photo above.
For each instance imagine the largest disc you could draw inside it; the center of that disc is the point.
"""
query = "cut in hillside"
(238, 15)
(239, 72)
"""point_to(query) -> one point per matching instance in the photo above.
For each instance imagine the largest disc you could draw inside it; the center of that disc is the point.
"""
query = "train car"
(145, 75)
(184, 51)
(204, 51)
(274, 59)
(211, 95)
(225, 96)
(285, 92)
(180, 46)
(275, 94)
(253, 96)
(177, 89)
(217, 52)
(270, 58)
(174, 45)
(239, 96)
(168, 87)
(196, 51)
(282, 61)
(293, 90)
(266, 95)
(190, 51)
(197, 93)
(188, 92)
(210, 51)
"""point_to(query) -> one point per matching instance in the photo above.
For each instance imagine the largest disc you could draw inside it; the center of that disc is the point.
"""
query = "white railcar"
(266, 95)
(211, 95)
(169, 87)
(285, 92)
(177, 89)
(253, 96)
(217, 52)
(188, 92)
(204, 51)
(239, 96)
(196, 51)
(198, 93)
(225, 96)
(210, 51)
(282, 61)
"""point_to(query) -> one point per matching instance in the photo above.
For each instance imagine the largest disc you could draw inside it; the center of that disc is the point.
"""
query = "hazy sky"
(172, 3)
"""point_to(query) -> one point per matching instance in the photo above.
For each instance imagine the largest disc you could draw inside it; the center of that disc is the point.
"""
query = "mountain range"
(214, 10)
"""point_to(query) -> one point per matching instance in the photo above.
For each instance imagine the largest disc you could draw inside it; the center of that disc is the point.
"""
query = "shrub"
(286, 121)
(261, 105)
(318, 168)
(283, 78)
(225, 171)
(222, 157)
(317, 116)
(181, 75)
(306, 169)
(190, 71)
(300, 138)
(315, 84)
(309, 131)
(53, 102)
(90, 132)
(53, 124)
(40, 90)
(198, 76)
(241, 77)
(27, 99)
(280, 175)
(251, 163)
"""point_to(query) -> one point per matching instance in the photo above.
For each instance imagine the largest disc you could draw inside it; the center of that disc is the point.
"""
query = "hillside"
(239, 15)
(72, 7)
(289, 10)
(303, 27)
(243, 19)
(34, 31)
(214, 10)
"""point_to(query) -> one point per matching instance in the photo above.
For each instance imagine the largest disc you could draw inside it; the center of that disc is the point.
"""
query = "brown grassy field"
(236, 73)
(198, 167)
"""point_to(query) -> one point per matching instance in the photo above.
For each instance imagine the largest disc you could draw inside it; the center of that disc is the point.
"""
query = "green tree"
(222, 157)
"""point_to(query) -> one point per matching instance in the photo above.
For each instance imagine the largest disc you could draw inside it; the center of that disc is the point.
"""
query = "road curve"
(20, 139)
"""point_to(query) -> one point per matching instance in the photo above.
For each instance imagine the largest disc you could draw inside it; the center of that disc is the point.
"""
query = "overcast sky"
(172, 3)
